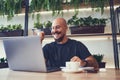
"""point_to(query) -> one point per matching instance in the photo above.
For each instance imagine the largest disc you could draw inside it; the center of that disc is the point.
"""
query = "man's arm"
(91, 62)
(88, 62)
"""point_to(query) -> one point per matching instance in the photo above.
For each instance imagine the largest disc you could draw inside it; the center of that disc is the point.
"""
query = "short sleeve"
(83, 51)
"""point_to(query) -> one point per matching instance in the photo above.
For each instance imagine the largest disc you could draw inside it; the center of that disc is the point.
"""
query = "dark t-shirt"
(57, 54)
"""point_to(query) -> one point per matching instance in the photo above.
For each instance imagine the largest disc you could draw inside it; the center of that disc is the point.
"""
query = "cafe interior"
(105, 44)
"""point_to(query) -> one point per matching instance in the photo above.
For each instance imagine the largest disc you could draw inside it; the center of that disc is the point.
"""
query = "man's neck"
(63, 41)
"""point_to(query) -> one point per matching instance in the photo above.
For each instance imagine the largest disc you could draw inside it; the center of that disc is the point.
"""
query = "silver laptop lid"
(25, 53)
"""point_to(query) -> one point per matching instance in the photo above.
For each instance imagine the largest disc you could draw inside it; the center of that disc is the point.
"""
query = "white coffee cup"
(73, 65)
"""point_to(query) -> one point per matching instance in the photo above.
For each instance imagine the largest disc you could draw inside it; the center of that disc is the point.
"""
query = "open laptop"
(25, 54)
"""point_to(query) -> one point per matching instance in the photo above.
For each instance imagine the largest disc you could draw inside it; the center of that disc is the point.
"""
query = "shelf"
(86, 35)
(95, 35)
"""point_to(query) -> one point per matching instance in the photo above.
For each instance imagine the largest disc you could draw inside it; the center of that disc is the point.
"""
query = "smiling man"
(64, 49)
(59, 29)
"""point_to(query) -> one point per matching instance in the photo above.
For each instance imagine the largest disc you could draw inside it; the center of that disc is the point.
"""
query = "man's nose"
(54, 30)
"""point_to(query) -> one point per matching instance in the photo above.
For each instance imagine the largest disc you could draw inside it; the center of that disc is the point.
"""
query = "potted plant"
(99, 58)
(11, 30)
(38, 25)
(86, 25)
(3, 63)
(46, 27)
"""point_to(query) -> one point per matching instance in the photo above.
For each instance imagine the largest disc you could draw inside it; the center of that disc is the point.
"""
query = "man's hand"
(39, 33)
(42, 35)
(77, 59)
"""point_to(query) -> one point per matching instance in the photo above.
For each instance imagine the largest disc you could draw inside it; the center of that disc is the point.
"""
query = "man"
(65, 49)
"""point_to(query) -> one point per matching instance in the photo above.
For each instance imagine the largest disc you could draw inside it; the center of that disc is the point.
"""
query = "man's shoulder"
(50, 44)
(74, 41)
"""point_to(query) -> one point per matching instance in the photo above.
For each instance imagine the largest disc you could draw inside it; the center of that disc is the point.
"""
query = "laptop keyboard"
(50, 69)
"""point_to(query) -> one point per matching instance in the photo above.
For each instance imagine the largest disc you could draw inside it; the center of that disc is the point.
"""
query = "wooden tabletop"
(108, 74)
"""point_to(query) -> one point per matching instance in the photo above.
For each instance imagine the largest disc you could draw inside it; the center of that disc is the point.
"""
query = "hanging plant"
(46, 5)
(97, 5)
(10, 7)
(56, 6)
(76, 3)
(36, 5)
(39, 5)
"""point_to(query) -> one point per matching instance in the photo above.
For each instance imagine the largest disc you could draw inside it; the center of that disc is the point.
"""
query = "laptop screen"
(25, 53)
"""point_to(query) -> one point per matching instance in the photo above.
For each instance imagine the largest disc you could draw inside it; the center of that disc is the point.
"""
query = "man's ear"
(66, 27)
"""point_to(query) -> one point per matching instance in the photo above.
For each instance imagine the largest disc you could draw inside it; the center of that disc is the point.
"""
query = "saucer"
(84, 68)
(87, 68)
(81, 69)
(71, 71)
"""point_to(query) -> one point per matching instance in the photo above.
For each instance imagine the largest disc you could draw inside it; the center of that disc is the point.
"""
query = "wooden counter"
(109, 74)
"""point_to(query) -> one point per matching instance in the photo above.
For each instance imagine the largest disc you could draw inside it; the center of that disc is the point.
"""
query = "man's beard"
(59, 39)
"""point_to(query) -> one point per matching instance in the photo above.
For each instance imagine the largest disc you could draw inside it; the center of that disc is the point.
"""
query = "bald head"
(60, 21)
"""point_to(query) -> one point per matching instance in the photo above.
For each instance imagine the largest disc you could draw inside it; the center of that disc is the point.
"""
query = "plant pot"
(47, 31)
(87, 29)
(11, 33)
(3, 65)
(102, 64)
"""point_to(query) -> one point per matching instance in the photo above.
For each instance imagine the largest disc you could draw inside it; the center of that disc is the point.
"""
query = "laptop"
(25, 54)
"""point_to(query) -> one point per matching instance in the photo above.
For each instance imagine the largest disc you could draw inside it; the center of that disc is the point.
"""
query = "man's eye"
(57, 26)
